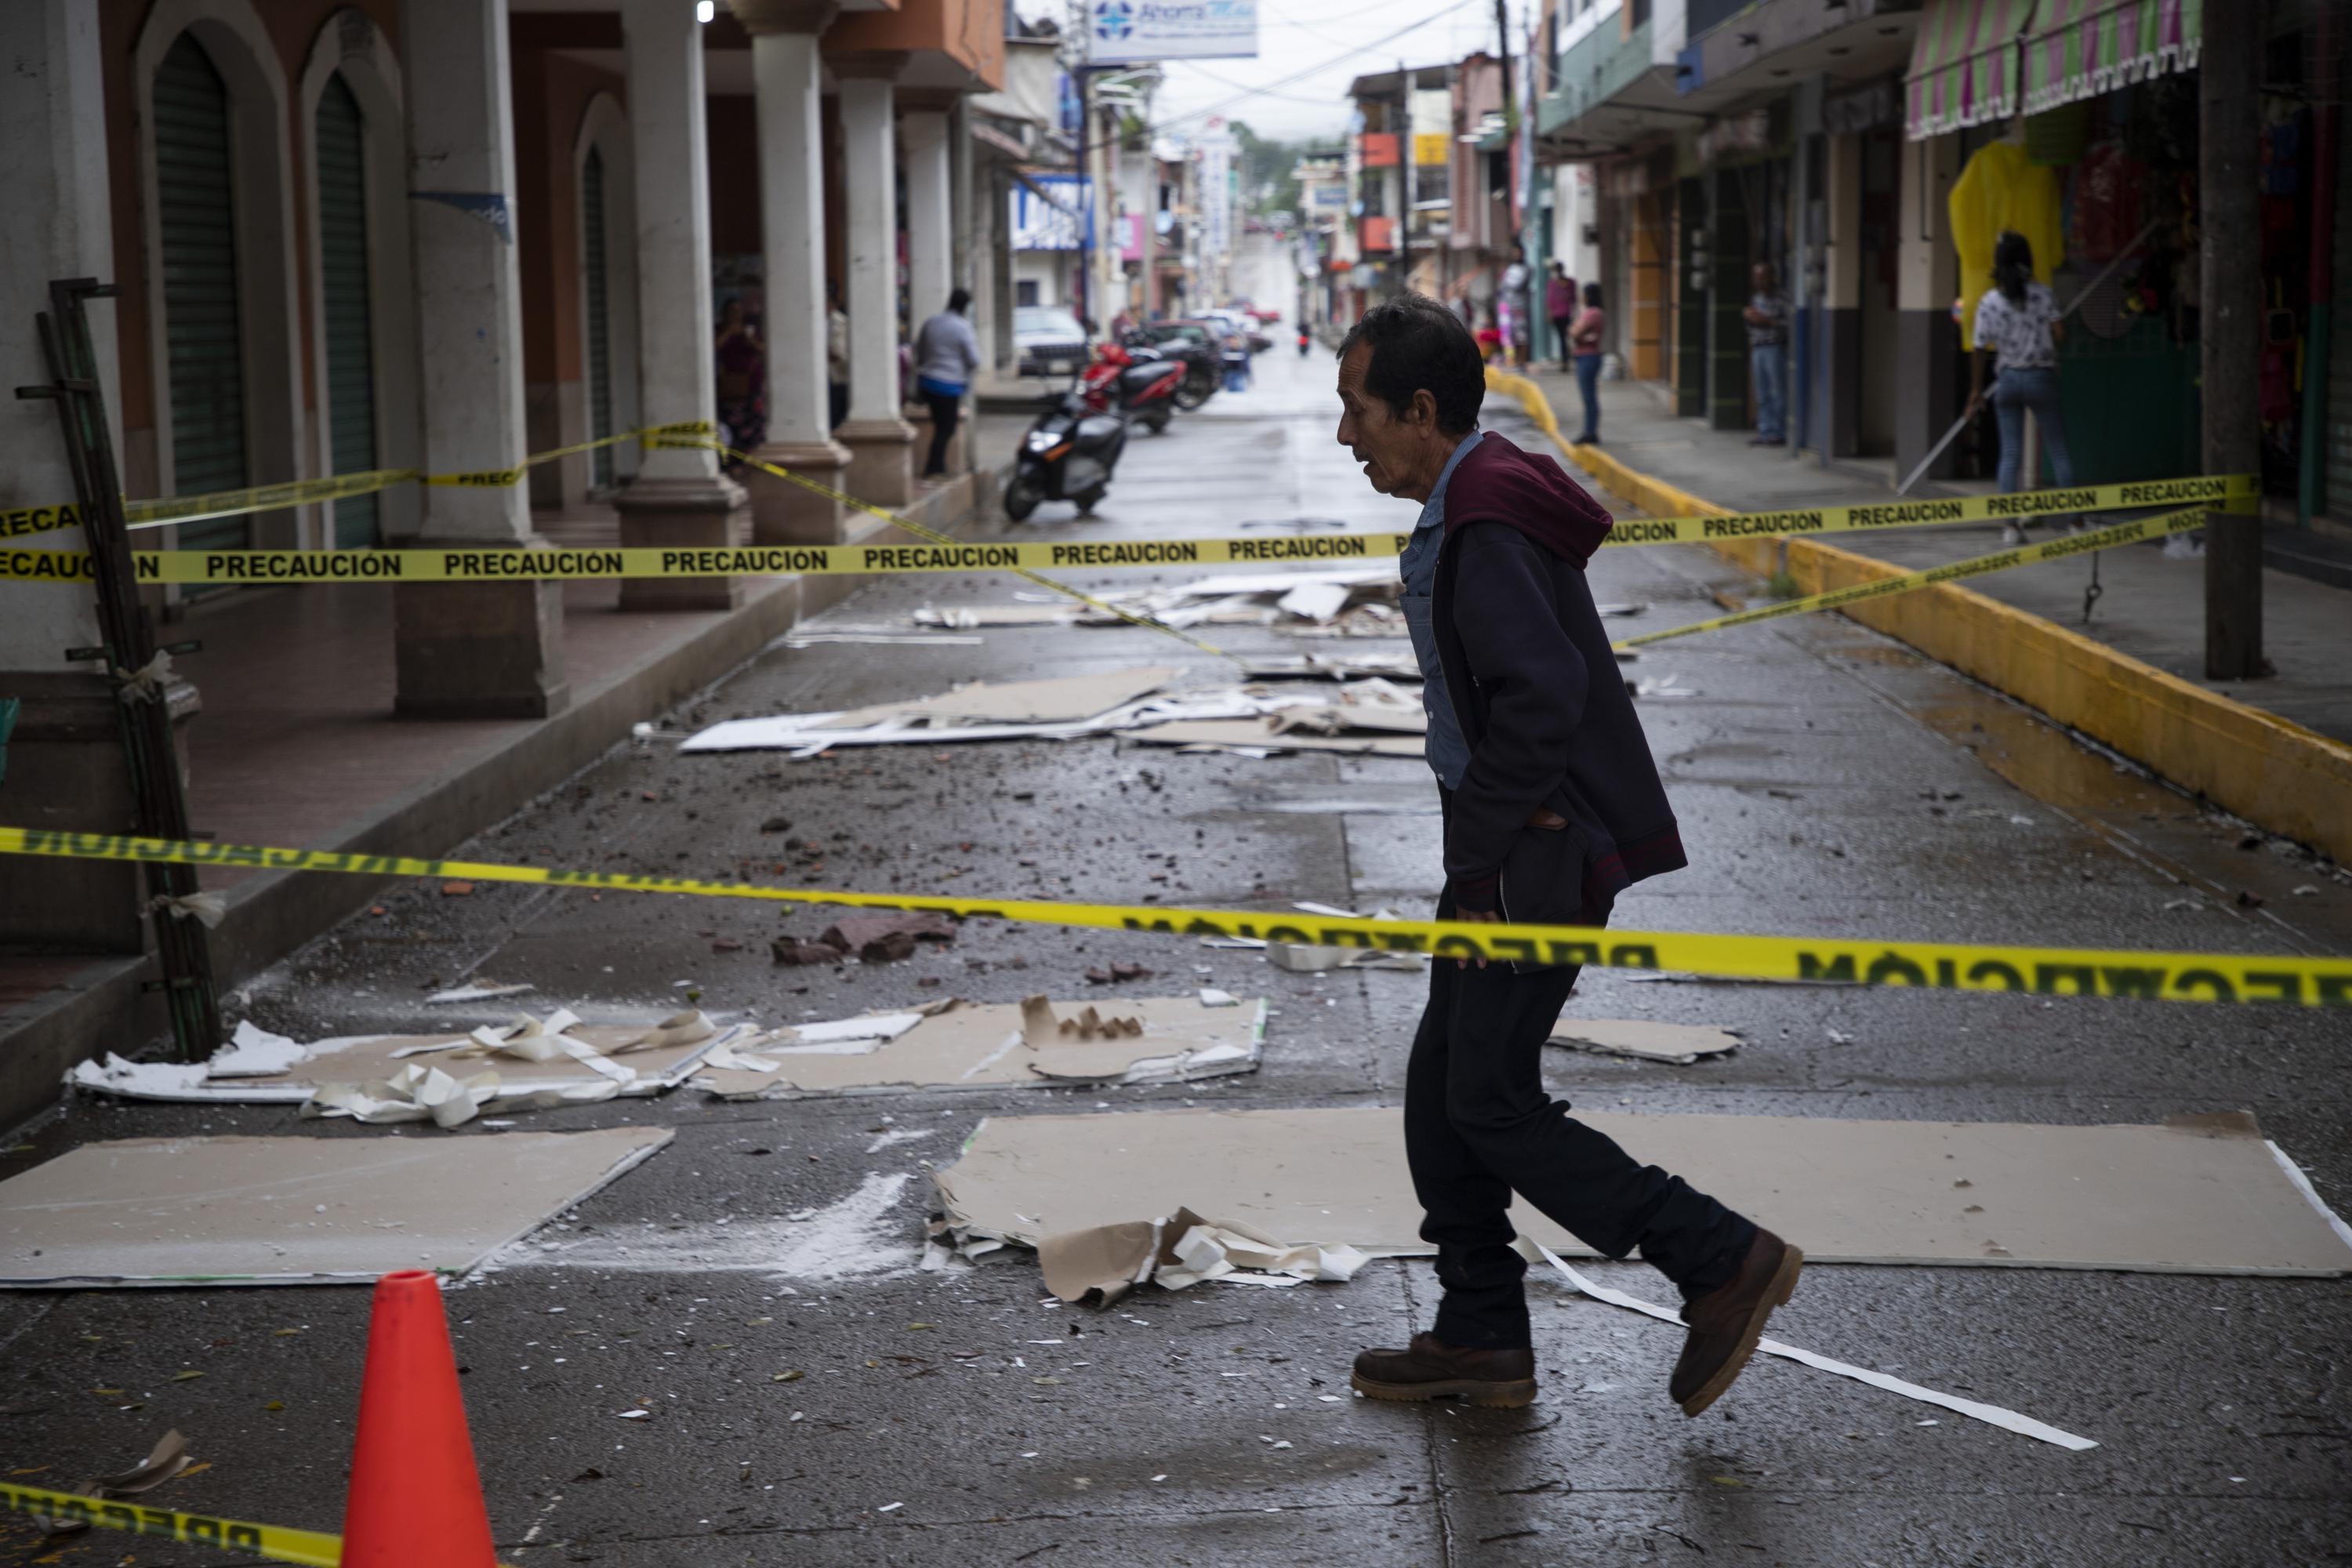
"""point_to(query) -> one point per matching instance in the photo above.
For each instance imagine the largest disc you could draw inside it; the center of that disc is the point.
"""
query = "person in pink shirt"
(1559, 305)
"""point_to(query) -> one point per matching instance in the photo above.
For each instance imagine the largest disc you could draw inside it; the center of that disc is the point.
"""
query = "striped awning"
(1964, 65)
(2081, 48)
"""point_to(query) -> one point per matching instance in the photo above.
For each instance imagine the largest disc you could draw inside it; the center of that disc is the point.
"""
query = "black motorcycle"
(1068, 455)
(1204, 370)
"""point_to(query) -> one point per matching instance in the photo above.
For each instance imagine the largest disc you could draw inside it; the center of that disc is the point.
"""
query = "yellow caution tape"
(305, 1546)
(1999, 560)
(2220, 492)
(1950, 967)
(940, 554)
(23, 521)
(942, 542)
(2211, 489)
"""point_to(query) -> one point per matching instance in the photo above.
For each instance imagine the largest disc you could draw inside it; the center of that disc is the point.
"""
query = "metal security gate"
(600, 352)
(197, 237)
(345, 301)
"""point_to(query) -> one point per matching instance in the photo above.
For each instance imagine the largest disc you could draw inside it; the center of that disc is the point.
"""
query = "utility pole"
(2229, 330)
(1536, 344)
(1085, 194)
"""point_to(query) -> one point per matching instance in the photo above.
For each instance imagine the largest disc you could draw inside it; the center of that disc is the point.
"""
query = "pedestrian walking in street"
(1559, 305)
(1584, 341)
(1767, 316)
(742, 362)
(1512, 308)
(947, 351)
(1552, 806)
(2017, 328)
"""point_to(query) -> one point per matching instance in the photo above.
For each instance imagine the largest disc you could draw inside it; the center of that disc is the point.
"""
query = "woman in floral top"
(2017, 327)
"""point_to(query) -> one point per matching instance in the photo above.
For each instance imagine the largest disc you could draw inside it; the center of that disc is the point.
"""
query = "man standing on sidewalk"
(1551, 807)
(1767, 316)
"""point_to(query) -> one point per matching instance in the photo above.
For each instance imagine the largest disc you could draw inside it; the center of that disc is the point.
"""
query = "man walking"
(1551, 807)
(1767, 316)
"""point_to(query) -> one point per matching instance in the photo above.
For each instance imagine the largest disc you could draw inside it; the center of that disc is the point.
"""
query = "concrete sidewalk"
(2130, 675)
(297, 745)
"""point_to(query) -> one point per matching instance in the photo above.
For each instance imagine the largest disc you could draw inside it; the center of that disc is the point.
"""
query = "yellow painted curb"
(2274, 773)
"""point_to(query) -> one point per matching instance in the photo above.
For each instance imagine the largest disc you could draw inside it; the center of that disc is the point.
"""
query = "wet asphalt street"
(1827, 782)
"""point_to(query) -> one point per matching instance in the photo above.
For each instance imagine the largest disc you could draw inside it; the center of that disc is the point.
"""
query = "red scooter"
(1139, 384)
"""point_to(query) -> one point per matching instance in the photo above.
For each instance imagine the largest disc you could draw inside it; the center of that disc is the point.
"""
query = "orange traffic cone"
(416, 1497)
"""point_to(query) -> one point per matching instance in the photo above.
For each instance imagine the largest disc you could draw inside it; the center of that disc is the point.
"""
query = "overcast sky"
(1296, 34)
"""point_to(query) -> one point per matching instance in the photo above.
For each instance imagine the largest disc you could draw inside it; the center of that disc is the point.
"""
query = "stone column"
(791, 226)
(469, 650)
(65, 764)
(880, 467)
(678, 499)
(930, 230)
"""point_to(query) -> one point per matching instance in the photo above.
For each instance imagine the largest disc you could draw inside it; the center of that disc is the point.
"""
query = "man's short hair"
(1420, 345)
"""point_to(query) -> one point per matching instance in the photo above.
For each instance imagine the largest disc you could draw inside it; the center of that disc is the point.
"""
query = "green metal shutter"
(198, 242)
(600, 354)
(343, 266)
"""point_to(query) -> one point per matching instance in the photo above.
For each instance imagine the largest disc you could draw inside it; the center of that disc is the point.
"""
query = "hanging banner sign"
(1134, 32)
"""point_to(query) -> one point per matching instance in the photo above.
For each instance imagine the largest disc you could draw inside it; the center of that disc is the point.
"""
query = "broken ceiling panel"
(1679, 1044)
(294, 1211)
(1260, 736)
(1138, 1039)
(532, 1062)
(2198, 1194)
(953, 716)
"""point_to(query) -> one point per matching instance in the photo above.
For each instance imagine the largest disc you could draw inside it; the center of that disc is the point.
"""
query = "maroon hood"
(1498, 482)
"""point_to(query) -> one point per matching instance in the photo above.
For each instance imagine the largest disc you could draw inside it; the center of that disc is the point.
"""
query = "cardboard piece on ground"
(812, 734)
(1397, 665)
(2203, 1194)
(1366, 705)
(986, 1046)
(1263, 735)
(1680, 1043)
(1056, 701)
(167, 1458)
(294, 1211)
(1103, 1263)
(656, 1056)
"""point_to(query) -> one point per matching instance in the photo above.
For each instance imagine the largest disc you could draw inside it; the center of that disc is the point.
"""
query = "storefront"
(2078, 125)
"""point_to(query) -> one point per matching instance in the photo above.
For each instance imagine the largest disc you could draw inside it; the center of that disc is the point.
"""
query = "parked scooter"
(1068, 455)
(1143, 389)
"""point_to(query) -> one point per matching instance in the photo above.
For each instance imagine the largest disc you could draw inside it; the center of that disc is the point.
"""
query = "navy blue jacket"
(1535, 685)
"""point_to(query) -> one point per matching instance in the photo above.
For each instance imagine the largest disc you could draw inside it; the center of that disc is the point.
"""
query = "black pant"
(1480, 1126)
(836, 399)
(944, 414)
(1559, 325)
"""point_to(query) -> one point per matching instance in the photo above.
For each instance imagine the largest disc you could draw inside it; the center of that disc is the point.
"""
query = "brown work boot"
(1432, 1369)
(1725, 1322)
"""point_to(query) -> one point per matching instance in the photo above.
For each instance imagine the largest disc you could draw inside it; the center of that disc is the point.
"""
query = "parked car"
(1242, 325)
(1049, 340)
(1218, 327)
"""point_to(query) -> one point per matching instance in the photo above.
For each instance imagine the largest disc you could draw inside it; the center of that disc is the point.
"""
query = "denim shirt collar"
(1433, 511)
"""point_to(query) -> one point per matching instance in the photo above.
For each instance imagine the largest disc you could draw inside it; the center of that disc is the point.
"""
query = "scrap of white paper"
(255, 1053)
(2007, 1420)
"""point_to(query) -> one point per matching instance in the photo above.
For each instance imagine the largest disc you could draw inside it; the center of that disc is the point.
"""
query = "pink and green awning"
(1978, 61)
(1964, 65)
(2081, 48)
